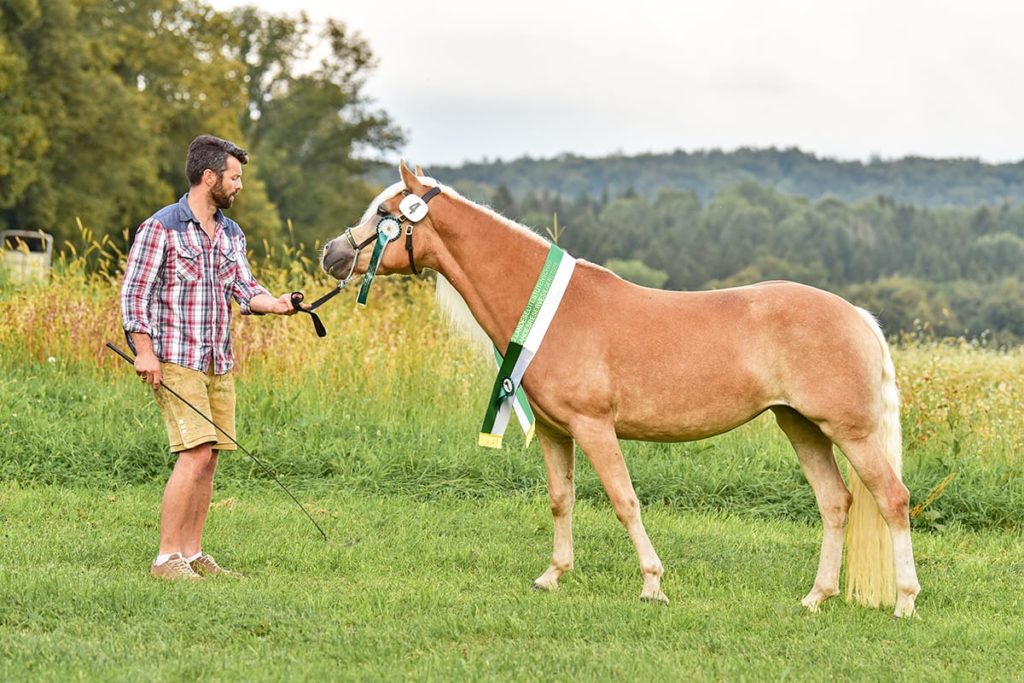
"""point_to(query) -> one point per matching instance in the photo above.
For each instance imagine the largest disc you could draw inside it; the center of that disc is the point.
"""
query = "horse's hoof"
(541, 588)
(811, 606)
(658, 598)
(905, 607)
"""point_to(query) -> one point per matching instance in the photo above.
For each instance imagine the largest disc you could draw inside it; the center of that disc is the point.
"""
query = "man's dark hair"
(210, 152)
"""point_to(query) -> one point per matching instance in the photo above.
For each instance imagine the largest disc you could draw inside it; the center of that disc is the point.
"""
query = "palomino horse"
(624, 361)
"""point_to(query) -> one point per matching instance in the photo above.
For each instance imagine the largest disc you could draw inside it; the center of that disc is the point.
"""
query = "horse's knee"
(896, 506)
(627, 508)
(561, 503)
(835, 510)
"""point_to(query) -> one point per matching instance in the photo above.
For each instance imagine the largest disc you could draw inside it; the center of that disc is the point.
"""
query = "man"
(186, 263)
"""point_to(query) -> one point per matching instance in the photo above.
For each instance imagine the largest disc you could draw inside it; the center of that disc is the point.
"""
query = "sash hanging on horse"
(507, 394)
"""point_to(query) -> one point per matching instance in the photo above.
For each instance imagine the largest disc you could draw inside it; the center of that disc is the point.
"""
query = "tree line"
(957, 271)
(911, 180)
(100, 98)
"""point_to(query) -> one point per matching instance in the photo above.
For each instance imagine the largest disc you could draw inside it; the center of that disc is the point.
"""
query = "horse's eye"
(382, 210)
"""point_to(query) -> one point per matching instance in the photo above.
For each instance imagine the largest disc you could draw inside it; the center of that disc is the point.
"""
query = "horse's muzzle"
(337, 258)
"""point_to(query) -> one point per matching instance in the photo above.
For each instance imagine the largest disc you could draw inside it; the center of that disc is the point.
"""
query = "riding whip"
(266, 469)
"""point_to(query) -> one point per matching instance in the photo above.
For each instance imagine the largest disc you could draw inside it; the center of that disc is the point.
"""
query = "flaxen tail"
(870, 571)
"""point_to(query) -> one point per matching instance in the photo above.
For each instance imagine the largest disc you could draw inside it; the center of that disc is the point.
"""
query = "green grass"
(434, 541)
(439, 590)
(81, 426)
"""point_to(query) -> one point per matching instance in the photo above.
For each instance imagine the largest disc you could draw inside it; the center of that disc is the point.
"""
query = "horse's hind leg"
(867, 458)
(598, 440)
(818, 462)
(560, 463)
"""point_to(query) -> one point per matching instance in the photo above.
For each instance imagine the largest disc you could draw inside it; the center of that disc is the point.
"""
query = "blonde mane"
(459, 318)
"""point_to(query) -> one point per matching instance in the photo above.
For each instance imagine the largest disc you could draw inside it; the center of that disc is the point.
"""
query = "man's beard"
(222, 199)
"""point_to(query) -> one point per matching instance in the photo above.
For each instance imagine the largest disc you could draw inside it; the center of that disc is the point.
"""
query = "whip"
(266, 469)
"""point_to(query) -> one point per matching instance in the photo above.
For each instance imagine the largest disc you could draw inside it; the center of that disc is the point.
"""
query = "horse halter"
(389, 227)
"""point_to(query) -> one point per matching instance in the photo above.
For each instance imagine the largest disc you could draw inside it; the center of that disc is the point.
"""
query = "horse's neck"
(492, 264)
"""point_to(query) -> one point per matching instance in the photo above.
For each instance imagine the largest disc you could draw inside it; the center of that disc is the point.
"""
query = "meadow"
(433, 541)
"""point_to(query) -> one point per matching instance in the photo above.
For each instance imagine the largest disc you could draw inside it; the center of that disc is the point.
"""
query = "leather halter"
(297, 297)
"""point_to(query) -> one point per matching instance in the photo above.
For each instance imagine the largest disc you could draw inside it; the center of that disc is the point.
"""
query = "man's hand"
(282, 305)
(147, 365)
(148, 368)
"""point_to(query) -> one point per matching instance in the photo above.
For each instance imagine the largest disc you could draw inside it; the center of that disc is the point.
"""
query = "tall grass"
(391, 402)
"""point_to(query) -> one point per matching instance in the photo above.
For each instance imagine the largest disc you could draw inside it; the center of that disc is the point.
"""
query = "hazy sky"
(468, 79)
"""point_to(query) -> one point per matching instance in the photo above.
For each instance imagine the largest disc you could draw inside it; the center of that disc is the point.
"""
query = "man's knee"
(201, 459)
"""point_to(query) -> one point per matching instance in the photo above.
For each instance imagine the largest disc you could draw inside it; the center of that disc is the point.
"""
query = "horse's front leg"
(598, 440)
(560, 463)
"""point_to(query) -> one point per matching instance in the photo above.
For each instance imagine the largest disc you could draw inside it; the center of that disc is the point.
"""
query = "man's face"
(228, 184)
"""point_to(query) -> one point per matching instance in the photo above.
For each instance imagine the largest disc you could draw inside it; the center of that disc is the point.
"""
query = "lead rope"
(318, 325)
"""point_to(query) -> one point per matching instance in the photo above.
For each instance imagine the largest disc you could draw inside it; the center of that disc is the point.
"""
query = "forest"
(100, 98)
(947, 272)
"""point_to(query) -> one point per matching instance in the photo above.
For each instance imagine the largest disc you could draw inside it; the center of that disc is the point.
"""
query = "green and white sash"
(524, 413)
(507, 395)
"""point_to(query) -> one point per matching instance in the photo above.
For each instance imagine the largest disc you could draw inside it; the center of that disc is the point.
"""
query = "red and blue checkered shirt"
(178, 286)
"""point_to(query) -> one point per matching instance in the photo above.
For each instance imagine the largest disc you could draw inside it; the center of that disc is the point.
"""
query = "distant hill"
(912, 180)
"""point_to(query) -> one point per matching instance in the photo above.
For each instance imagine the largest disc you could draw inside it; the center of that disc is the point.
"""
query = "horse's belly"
(689, 415)
(687, 427)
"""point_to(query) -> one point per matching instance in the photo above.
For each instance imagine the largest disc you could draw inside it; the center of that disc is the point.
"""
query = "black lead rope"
(318, 325)
(198, 412)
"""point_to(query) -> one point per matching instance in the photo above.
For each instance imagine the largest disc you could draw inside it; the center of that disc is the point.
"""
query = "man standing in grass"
(187, 262)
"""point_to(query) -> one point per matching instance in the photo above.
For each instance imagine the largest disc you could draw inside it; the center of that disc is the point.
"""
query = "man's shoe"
(205, 565)
(175, 568)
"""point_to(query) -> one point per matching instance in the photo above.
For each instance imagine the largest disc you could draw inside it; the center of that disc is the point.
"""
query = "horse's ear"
(412, 183)
(419, 171)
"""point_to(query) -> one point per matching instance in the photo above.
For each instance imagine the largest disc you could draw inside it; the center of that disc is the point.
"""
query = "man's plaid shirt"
(178, 285)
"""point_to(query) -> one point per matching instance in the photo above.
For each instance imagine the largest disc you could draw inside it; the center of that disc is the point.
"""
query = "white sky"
(468, 79)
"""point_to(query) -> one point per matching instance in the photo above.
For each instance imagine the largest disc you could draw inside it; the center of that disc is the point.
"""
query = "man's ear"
(412, 183)
(209, 180)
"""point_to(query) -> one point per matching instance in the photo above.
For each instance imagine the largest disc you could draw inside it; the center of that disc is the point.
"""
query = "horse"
(621, 361)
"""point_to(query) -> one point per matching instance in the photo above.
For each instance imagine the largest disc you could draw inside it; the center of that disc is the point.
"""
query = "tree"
(309, 131)
(23, 138)
(103, 99)
(64, 91)
(637, 272)
(996, 256)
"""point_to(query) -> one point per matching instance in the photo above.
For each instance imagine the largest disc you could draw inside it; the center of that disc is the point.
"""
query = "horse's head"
(391, 217)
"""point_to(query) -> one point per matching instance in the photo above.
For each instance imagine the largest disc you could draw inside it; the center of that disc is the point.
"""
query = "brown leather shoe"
(205, 565)
(174, 569)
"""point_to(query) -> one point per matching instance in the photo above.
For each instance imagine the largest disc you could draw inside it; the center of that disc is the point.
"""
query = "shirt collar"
(185, 215)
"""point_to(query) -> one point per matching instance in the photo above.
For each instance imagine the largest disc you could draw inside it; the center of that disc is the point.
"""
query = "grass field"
(439, 590)
(434, 541)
